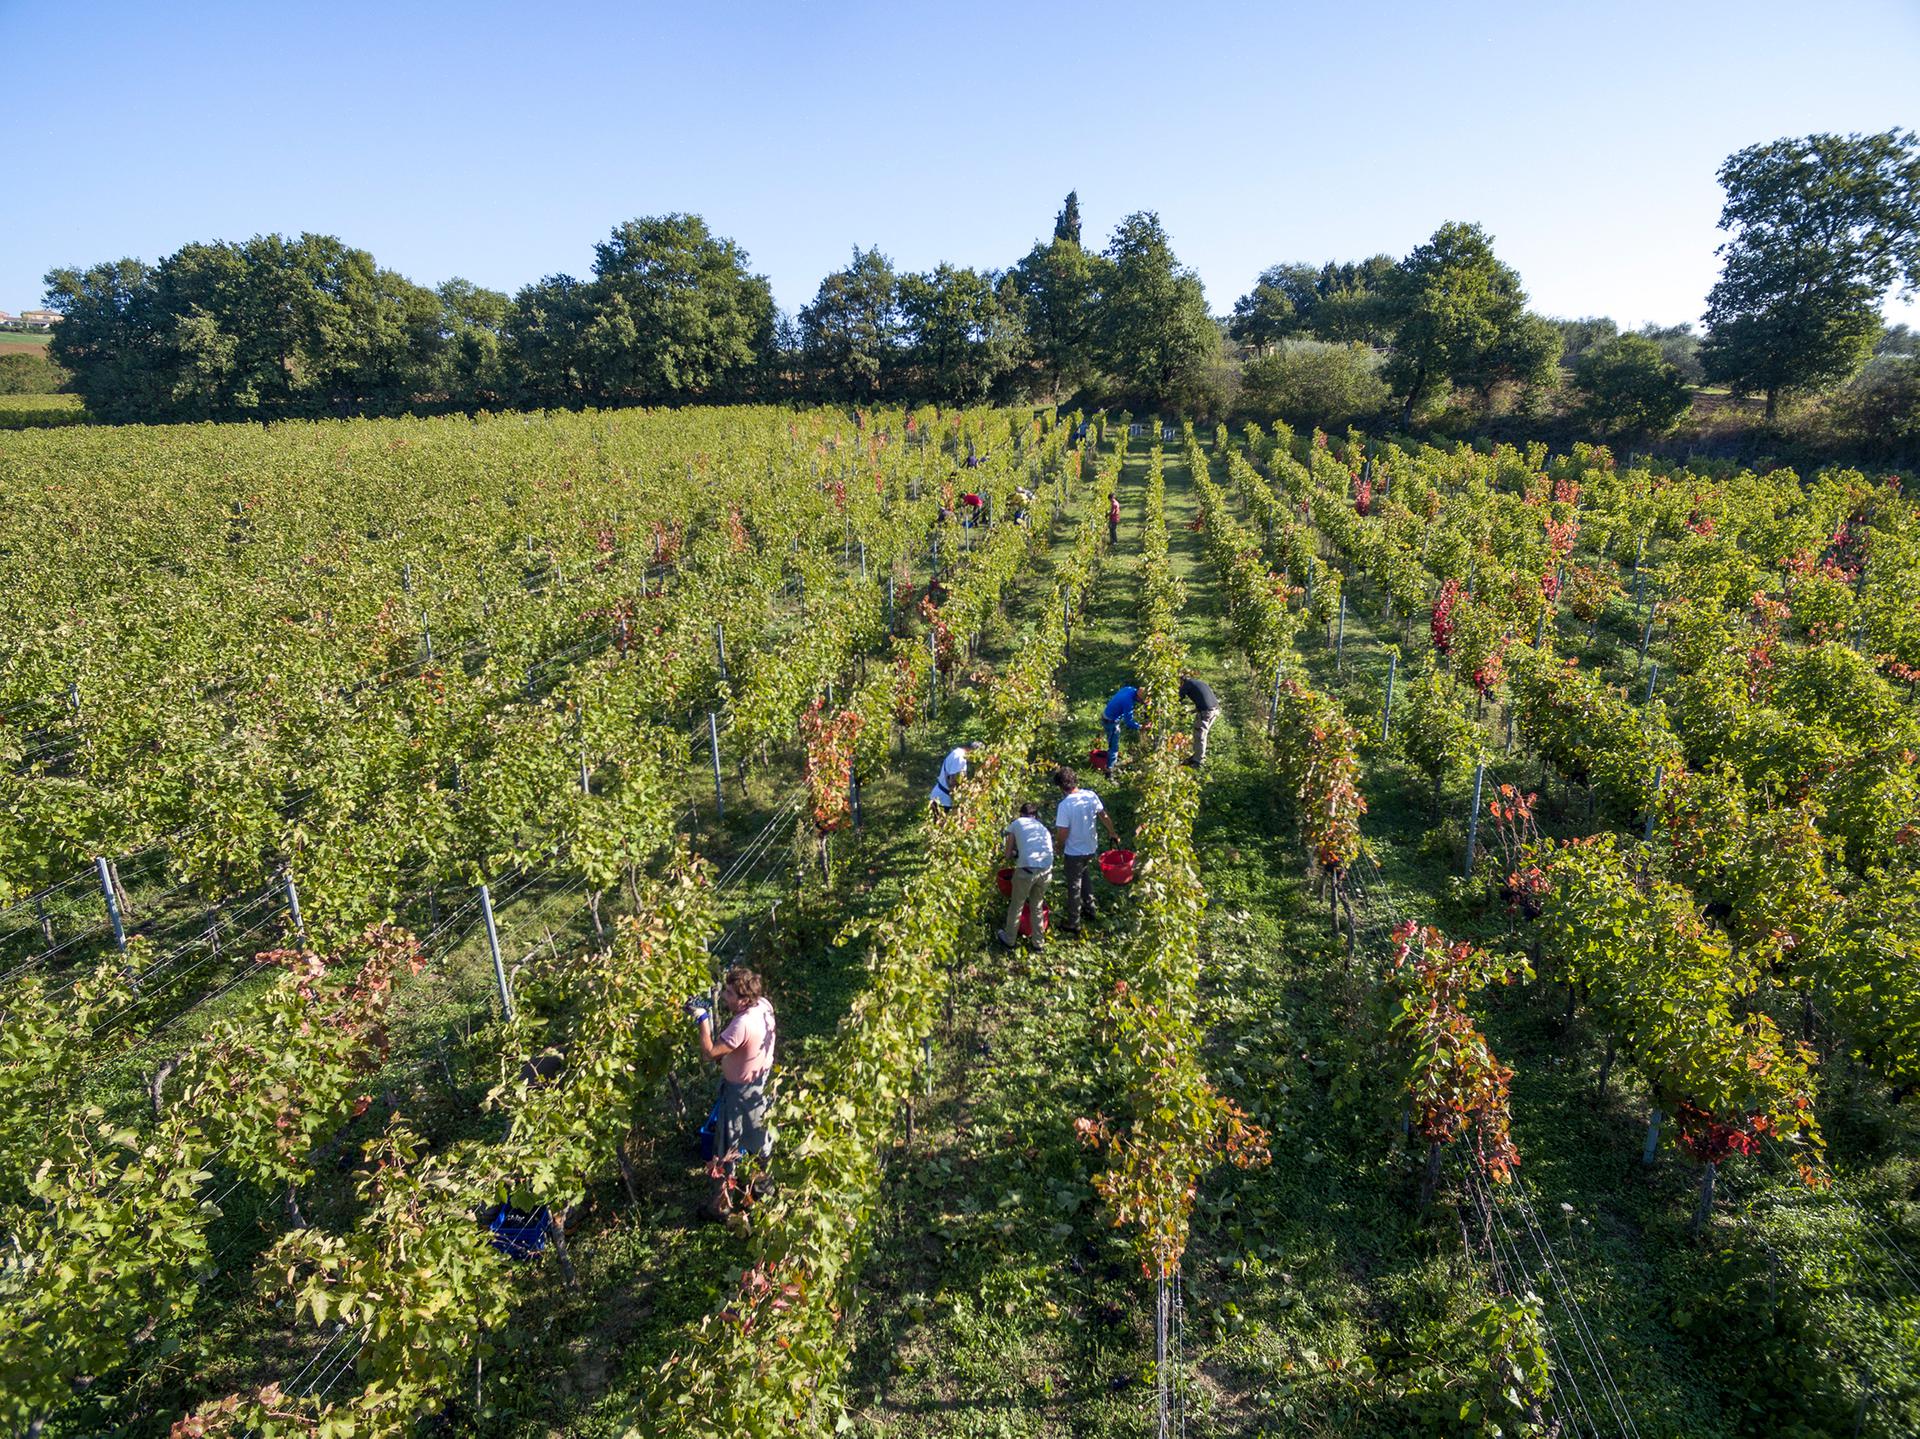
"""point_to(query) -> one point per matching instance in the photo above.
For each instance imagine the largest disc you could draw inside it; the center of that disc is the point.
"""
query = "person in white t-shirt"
(744, 1050)
(1030, 848)
(1073, 829)
(952, 770)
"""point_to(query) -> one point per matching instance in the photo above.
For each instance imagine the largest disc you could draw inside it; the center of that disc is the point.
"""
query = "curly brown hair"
(746, 984)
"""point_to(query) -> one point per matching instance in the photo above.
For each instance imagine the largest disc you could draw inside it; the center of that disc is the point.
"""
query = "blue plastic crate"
(519, 1235)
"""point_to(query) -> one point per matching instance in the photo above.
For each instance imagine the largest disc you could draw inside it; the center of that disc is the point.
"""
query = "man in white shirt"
(1030, 848)
(1073, 823)
(952, 769)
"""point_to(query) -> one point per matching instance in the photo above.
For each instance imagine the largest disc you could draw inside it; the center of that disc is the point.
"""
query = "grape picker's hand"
(697, 1011)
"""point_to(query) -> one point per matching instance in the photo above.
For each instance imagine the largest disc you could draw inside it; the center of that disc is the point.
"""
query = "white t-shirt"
(1076, 815)
(1034, 842)
(951, 768)
(752, 1032)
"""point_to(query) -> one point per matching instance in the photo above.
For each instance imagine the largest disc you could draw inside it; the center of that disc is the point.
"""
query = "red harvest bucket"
(1005, 880)
(1097, 757)
(1026, 920)
(1116, 866)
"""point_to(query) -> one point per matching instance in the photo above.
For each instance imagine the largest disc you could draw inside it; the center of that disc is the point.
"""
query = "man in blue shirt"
(1119, 711)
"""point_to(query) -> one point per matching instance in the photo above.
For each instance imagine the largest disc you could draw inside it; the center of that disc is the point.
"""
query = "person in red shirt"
(1113, 520)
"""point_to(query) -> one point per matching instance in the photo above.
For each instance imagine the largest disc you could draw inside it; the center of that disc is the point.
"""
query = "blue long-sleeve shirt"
(1119, 709)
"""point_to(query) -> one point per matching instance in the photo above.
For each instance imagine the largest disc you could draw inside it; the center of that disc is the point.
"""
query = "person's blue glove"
(696, 1010)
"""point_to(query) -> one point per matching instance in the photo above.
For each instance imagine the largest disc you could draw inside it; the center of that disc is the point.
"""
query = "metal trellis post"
(113, 904)
(493, 947)
(293, 907)
(1473, 820)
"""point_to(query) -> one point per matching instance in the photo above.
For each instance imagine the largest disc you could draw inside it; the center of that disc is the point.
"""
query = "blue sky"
(500, 141)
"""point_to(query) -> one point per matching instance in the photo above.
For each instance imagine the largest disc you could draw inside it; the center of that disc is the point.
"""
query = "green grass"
(37, 339)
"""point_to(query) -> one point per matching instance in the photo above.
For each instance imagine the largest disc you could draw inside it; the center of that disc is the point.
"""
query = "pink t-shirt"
(752, 1034)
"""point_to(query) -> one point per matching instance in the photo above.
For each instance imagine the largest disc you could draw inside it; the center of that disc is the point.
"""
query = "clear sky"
(499, 141)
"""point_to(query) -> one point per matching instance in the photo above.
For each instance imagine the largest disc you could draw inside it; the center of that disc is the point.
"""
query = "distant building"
(5, 318)
(40, 317)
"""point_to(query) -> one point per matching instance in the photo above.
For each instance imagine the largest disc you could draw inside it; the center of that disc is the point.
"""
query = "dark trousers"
(1079, 889)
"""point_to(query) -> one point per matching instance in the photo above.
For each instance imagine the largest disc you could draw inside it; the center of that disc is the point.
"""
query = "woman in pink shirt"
(745, 1052)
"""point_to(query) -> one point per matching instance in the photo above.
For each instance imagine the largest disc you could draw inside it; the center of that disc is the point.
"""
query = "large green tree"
(274, 326)
(1459, 316)
(546, 332)
(1059, 286)
(109, 338)
(1275, 307)
(1066, 225)
(850, 334)
(473, 362)
(1157, 339)
(1341, 302)
(1628, 386)
(681, 317)
(1525, 353)
(1822, 227)
(672, 314)
(961, 334)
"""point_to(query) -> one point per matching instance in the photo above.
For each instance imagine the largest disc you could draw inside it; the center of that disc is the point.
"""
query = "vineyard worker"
(1206, 709)
(973, 502)
(1113, 520)
(952, 768)
(744, 1050)
(1073, 822)
(1030, 847)
(1119, 711)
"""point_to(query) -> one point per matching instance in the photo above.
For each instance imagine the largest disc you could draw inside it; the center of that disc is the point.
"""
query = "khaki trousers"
(1028, 886)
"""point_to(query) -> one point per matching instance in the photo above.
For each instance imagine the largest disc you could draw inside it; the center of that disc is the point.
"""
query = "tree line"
(282, 326)
(1820, 229)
